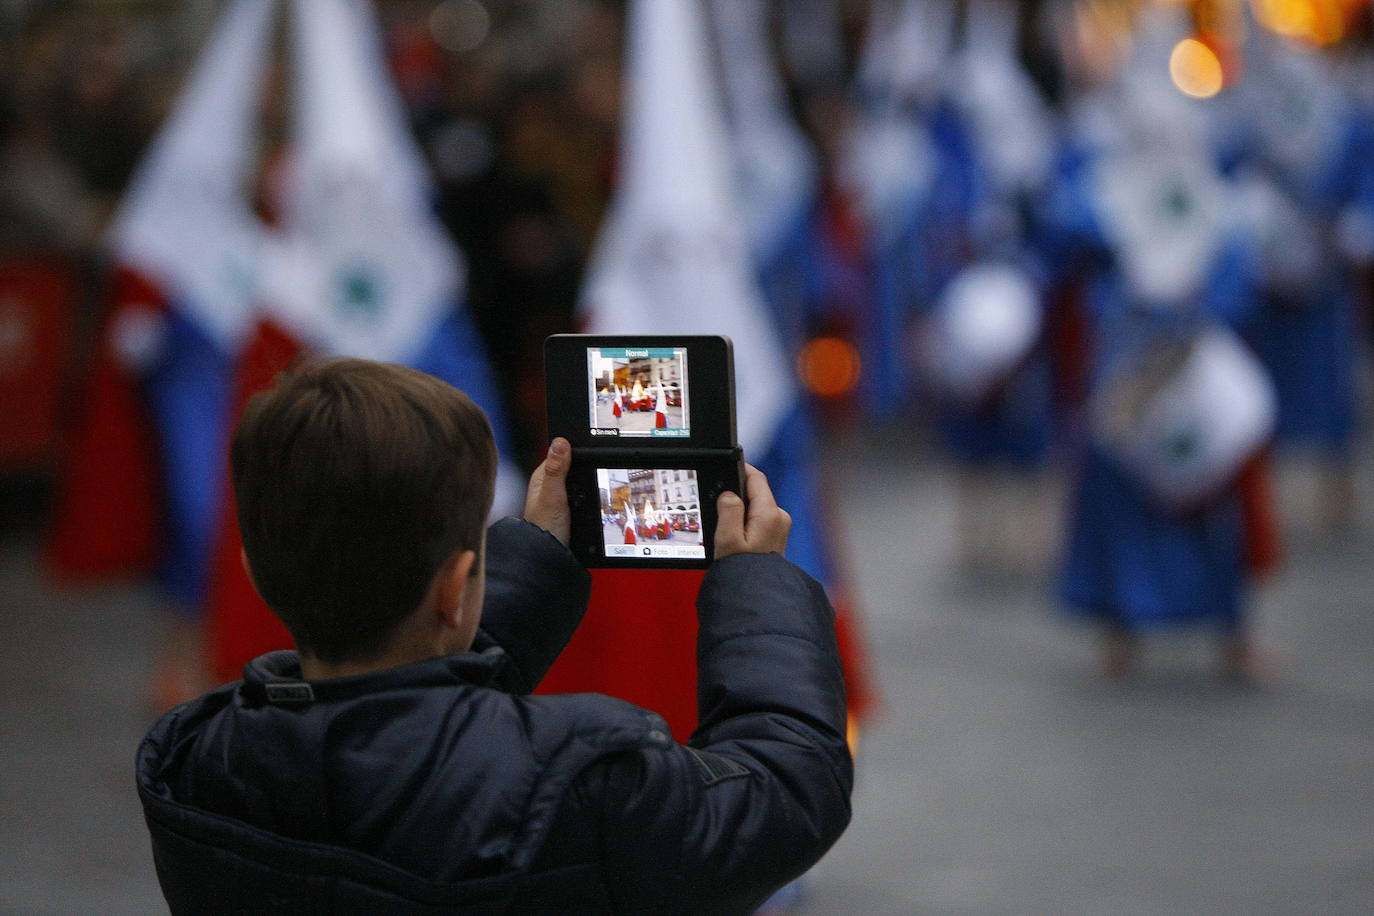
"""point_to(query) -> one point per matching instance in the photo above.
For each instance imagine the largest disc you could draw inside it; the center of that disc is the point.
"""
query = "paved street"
(615, 534)
(1003, 777)
(635, 421)
(1000, 777)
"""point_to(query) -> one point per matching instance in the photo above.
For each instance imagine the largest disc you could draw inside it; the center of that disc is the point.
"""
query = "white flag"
(889, 160)
(1011, 123)
(1293, 102)
(776, 167)
(185, 222)
(907, 44)
(366, 269)
(1186, 434)
(984, 326)
(363, 266)
(672, 257)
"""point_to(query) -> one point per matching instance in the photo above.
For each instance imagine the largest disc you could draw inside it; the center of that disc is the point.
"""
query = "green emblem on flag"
(1181, 446)
(359, 292)
(1178, 203)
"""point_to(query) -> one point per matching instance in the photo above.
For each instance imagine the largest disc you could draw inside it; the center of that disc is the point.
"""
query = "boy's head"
(356, 482)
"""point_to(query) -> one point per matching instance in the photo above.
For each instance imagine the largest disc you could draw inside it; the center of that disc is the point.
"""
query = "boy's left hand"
(546, 503)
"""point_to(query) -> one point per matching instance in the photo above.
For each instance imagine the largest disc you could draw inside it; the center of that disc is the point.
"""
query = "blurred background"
(1054, 323)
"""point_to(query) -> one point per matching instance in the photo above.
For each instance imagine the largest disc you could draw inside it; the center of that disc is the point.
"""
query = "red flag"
(1263, 545)
(637, 642)
(107, 518)
(629, 647)
(37, 311)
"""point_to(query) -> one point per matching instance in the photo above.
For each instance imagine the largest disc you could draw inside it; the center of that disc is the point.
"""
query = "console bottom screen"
(650, 514)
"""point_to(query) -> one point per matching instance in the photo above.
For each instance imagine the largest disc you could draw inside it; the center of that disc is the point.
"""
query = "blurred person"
(45, 204)
(836, 282)
(776, 169)
(792, 212)
(414, 57)
(101, 117)
(673, 258)
(521, 174)
(140, 491)
(522, 252)
(215, 291)
(1302, 163)
(517, 246)
(941, 189)
(566, 139)
(396, 761)
(908, 165)
(788, 116)
(979, 345)
(1140, 214)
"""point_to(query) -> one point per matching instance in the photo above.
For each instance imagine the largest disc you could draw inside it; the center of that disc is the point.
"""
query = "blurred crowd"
(1049, 157)
(517, 103)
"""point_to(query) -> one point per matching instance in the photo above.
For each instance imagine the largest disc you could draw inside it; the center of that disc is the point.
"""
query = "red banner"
(37, 306)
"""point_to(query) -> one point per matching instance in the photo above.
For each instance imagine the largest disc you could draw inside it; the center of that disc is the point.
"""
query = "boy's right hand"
(762, 529)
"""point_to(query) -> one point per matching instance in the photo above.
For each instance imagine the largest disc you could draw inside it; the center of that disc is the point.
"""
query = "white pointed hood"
(365, 267)
(185, 221)
(672, 257)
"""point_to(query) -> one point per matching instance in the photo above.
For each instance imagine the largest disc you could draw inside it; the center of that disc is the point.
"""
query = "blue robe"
(1129, 561)
(1309, 343)
(1012, 427)
(927, 249)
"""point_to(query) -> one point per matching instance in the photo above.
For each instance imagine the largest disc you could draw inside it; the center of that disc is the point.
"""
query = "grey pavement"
(641, 421)
(1000, 776)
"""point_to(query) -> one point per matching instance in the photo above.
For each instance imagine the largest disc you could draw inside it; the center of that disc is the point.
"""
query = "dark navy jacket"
(443, 786)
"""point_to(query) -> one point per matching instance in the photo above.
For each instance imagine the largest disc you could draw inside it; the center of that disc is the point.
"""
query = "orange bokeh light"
(1320, 22)
(829, 367)
(1195, 69)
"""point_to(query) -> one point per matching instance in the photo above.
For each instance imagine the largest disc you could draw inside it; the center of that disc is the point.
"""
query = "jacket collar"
(276, 677)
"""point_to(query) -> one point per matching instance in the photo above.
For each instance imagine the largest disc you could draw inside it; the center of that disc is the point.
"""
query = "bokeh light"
(1319, 22)
(459, 26)
(829, 367)
(1196, 70)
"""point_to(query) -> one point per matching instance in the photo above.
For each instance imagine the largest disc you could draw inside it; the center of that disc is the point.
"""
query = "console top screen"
(638, 392)
(657, 392)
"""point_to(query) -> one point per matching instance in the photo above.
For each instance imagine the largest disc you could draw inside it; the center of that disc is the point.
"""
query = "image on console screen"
(650, 514)
(638, 392)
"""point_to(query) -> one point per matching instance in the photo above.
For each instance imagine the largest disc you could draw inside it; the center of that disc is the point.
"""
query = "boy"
(396, 763)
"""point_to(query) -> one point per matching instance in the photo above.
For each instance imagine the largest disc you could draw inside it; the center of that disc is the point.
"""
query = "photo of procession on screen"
(638, 392)
(650, 514)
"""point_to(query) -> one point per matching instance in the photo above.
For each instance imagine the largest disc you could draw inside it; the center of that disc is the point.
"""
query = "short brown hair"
(355, 481)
